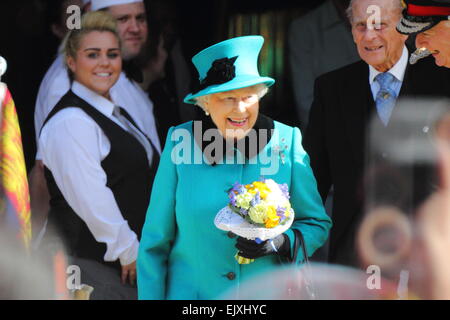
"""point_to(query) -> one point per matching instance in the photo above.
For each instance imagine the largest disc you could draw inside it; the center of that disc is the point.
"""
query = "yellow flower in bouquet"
(258, 213)
(243, 200)
(263, 189)
(258, 187)
(272, 219)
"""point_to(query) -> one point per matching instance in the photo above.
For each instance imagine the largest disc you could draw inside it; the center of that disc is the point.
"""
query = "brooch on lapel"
(280, 149)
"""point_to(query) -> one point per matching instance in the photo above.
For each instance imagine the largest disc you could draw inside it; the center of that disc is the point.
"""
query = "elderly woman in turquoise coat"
(182, 255)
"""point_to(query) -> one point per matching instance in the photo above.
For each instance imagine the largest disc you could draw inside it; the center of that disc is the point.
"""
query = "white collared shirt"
(73, 147)
(398, 71)
(125, 93)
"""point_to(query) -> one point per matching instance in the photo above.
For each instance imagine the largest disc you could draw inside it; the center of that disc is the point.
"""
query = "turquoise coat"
(182, 255)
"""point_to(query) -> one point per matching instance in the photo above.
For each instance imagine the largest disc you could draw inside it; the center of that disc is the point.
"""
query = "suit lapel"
(407, 85)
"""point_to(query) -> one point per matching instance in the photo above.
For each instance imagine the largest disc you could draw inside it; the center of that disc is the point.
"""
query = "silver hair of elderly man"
(349, 10)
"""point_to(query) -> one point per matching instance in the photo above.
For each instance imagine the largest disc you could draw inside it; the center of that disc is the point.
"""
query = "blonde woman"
(97, 164)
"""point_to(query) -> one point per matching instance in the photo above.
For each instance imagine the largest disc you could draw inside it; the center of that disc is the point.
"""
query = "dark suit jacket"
(336, 140)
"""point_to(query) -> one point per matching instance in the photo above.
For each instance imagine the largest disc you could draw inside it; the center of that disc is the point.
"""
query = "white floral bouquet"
(258, 211)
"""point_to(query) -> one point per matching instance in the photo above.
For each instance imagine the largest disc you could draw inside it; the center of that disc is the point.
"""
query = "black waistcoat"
(129, 176)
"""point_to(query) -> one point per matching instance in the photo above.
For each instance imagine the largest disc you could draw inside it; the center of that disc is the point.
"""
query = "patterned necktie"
(386, 97)
(122, 116)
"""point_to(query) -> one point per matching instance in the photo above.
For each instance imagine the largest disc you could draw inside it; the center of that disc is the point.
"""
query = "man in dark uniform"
(431, 20)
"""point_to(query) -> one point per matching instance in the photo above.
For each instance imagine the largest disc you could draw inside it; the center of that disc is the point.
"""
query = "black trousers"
(104, 279)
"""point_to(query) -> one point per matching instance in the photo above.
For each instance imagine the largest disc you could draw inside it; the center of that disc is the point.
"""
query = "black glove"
(252, 250)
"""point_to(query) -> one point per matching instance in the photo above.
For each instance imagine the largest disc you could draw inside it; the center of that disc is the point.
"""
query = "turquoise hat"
(228, 65)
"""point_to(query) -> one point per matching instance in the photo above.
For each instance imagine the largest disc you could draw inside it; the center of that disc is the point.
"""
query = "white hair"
(202, 101)
(349, 10)
(260, 88)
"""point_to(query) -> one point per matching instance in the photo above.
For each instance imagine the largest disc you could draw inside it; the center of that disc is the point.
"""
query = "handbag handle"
(299, 241)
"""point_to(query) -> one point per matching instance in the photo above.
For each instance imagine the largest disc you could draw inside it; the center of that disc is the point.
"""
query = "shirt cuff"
(38, 154)
(130, 255)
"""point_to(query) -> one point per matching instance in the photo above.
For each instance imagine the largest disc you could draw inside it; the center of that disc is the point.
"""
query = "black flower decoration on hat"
(221, 71)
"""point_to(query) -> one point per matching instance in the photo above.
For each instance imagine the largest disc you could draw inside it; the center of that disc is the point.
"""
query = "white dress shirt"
(54, 85)
(398, 71)
(125, 93)
(73, 147)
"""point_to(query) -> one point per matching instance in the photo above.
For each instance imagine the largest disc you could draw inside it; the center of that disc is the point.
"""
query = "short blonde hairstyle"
(260, 88)
(91, 21)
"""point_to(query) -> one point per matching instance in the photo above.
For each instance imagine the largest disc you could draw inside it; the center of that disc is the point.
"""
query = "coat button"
(231, 275)
(231, 235)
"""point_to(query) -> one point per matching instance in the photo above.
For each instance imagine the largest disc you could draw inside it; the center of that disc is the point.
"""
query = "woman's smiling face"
(234, 112)
(98, 63)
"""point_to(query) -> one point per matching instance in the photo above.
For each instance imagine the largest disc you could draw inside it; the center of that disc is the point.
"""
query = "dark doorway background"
(29, 47)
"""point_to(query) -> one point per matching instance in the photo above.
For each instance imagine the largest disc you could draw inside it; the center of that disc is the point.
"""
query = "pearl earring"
(207, 113)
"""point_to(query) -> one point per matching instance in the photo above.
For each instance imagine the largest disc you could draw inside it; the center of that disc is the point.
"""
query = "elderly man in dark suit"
(344, 102)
